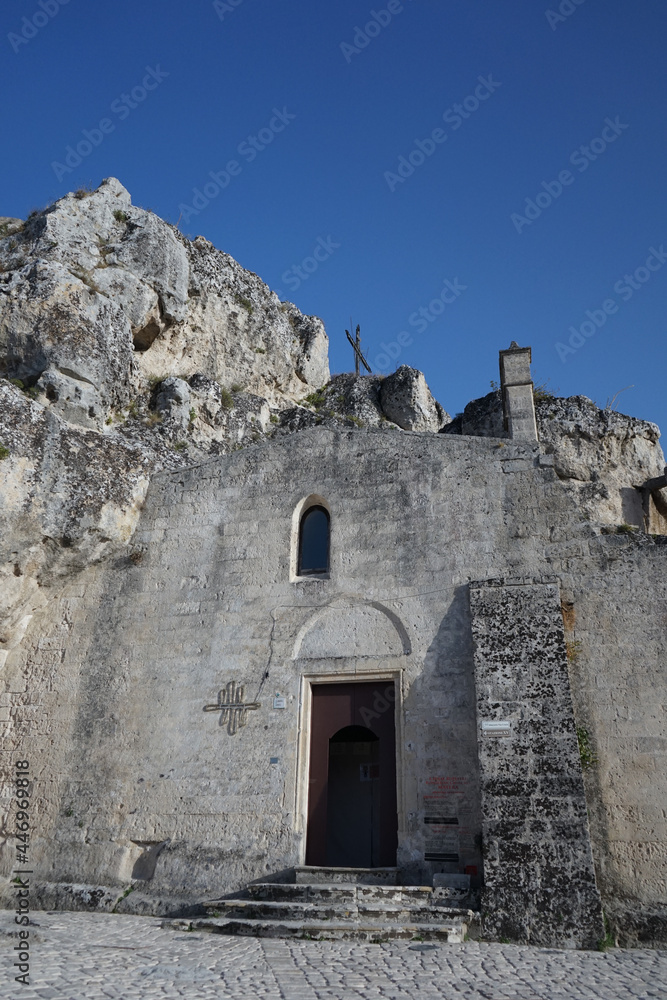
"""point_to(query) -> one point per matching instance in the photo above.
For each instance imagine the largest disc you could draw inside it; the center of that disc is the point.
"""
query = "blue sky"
(445, 232)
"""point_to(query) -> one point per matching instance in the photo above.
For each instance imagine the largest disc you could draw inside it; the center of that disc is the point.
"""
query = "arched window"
(314, 542)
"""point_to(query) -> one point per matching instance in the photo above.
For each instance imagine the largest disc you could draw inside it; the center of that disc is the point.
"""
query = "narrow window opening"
(314, 542)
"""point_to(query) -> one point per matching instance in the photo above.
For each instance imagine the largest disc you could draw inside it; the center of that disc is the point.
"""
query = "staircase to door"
(339, 904)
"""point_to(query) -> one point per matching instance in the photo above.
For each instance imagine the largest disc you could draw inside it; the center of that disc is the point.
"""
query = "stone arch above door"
(347, 629)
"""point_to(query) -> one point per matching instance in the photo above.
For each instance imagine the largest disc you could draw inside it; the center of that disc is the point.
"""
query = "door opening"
(353, 799)
(352, 816)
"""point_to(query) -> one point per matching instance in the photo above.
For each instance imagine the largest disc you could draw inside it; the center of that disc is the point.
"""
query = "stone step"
(304, 912)
(310, 875)
(452, 931)
(340, 904)
(412, 895)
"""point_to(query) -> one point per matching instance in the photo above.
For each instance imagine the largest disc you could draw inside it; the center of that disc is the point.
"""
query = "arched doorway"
(352, 814)
(353, 799)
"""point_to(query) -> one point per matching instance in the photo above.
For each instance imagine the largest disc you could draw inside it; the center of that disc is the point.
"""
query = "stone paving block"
(82, 956)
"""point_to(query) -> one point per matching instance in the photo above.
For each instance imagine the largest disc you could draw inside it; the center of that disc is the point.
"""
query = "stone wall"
(204, 597)
(140, 577)
(107, 690)
(538, 866)
(616, 596)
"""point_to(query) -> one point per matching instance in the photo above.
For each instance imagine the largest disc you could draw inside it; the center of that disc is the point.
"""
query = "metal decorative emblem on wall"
(234, 710)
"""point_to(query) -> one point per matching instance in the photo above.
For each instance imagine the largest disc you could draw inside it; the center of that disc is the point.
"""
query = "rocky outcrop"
(69, 498)
(405, 398)
(9, 225)
(401, 401)
(605, 459)
(125, 349)
(96, 290)
(590, 444)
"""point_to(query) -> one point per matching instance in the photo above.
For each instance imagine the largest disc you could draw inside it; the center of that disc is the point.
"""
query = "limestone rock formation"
(589, 443)
(480, 418)
(107, 294)
(68, 498)
(363, 401)
(406, 399)
(604, 458)
(126, 349)
(9, 225)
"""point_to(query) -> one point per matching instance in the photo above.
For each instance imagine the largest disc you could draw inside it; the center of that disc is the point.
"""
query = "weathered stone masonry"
(496, 581)
(538, 864)
(207, 598)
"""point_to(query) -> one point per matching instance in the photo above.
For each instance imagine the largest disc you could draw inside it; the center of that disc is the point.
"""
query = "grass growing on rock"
(315, 399)
(243, 301)
(226, 399)
(586, 752)
(86, 277)
(542, 393)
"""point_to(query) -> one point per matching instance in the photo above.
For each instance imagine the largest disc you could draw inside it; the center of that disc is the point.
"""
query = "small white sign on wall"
(280, 701)
(502, 727)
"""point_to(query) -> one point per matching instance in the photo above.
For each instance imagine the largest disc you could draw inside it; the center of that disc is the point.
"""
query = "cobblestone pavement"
(81, 956)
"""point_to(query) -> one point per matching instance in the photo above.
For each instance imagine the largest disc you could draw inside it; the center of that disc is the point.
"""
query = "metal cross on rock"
(233, 709)
(358, 356)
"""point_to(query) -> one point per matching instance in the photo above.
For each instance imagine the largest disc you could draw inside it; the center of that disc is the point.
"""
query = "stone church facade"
(211, 709)
(450, 561)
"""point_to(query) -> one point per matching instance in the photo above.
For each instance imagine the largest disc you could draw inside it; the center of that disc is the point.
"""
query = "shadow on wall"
(446, 805)
(144, 866)
(632, 506)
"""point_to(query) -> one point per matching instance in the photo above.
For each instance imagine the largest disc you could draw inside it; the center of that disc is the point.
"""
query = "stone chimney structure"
(516, 385)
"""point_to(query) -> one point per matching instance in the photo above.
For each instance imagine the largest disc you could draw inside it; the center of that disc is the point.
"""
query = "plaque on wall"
(442, 843)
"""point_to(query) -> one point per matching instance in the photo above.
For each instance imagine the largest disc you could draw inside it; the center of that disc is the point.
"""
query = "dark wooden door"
(334, 707)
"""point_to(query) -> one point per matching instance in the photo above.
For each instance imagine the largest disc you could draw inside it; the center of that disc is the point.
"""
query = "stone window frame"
(300, 511)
